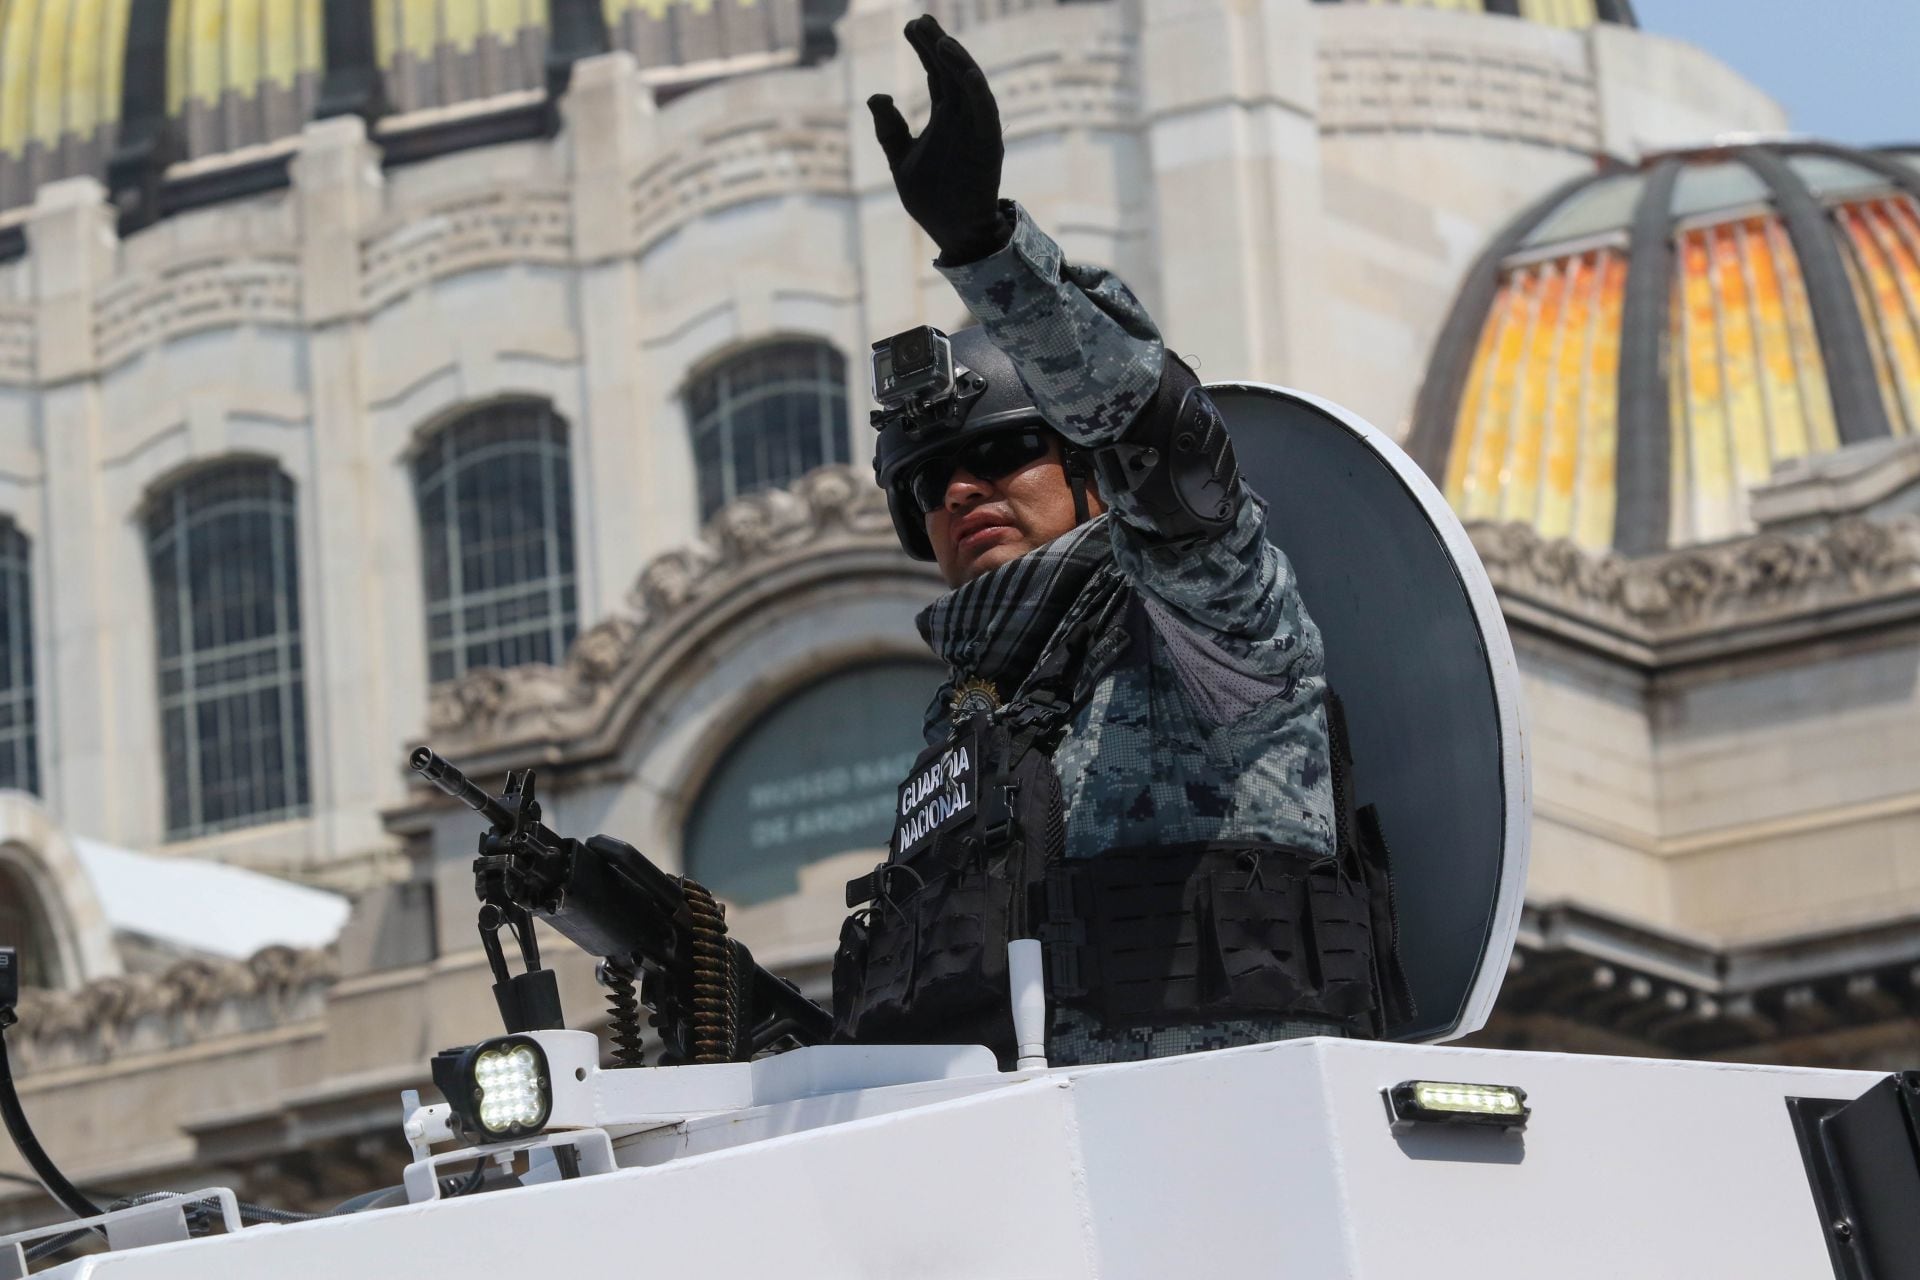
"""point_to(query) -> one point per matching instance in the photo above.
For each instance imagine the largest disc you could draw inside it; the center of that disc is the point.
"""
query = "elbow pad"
(1175, 464)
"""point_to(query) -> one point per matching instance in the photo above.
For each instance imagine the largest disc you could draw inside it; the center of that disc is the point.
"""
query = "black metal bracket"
(1863, 1162)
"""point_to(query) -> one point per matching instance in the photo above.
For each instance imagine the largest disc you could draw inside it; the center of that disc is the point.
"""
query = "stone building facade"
(318, 302)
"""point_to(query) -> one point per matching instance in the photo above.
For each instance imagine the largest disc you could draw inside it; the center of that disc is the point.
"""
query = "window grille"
(496, 535)
(19, 744)
(226, 597)
(765, 418)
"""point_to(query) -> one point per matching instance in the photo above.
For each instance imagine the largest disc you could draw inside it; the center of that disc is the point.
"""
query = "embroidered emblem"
(972, 696)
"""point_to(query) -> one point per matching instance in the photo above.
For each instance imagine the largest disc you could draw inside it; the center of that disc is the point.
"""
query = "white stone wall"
(1265, 172)
(1437, 127)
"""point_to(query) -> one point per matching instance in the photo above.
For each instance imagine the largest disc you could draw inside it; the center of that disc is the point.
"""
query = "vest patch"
(937, 796)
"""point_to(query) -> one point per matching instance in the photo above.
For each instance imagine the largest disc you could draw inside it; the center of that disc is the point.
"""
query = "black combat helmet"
(988, 396)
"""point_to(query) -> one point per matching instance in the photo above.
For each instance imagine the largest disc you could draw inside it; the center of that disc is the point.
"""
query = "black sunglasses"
(990, 457)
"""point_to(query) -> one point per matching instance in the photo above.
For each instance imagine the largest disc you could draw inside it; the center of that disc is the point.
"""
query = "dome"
(1555, 13)
(135, 92)
(1644, 345)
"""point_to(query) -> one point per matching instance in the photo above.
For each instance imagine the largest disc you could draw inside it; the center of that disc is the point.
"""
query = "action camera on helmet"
(916, 365)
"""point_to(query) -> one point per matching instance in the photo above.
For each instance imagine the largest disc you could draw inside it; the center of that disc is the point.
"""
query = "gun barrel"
(458, 785)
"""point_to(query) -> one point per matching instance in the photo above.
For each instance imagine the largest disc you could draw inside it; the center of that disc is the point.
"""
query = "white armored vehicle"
(766, 1152)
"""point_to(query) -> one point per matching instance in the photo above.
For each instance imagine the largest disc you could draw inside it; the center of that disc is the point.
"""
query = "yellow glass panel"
(1895, 279)
(461, 22)
(1823, 433)
(411, 26)
(313, 36)
(1572, 357)
(1779, 379)
(50, 42)
(1488, 475)
(279, 42)
(1681, 517)
(1740, 362)
(241, 63)
(81, 90)
(1713, 482)
(206, 29)
(1466, 424)
(1560, 13)
(1596, 501)
(16, 78)
(502, 18)
(1520, 490)
(179, 42)
(111, 64)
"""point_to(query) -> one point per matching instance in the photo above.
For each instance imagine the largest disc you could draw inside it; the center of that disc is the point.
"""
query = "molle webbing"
(1204, 931)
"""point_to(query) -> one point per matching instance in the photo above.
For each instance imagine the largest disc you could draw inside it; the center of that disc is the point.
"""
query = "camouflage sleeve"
(1085, 347)
(1092, 358)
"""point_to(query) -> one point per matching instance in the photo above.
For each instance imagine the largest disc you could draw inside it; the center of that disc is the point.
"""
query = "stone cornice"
(194, 1000)
(832, 514)
(1697, 601)
(1690, 997)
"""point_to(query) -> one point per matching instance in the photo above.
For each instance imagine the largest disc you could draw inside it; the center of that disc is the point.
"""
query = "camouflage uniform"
(1221, 734)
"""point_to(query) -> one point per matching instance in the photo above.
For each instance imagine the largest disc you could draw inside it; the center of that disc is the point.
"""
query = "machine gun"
(710, 1001)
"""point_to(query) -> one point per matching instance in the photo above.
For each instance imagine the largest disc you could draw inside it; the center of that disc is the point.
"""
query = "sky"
(1845, 70)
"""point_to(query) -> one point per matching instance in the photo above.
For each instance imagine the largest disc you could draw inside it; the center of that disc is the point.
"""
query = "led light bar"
(498, 1089)
(1492, 1106)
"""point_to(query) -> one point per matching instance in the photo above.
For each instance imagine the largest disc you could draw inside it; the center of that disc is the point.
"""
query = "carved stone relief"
(193, 1000)
(743, 160)
(1722, 585)
(493, 227)
(1458, 87)
(138, 312)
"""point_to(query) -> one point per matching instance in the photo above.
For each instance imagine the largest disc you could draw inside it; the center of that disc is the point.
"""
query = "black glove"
(949, 176)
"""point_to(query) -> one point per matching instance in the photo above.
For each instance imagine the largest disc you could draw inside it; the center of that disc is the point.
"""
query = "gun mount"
(710, 1001)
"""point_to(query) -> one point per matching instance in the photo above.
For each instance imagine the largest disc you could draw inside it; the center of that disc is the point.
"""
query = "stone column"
(91, 785)
(1229, 95)
(616, 459)
(348, 550)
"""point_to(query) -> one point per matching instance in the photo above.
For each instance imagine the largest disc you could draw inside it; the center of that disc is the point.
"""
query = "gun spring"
(623, 1006)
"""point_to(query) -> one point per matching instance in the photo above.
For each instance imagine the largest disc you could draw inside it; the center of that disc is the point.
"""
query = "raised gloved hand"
(949, 176)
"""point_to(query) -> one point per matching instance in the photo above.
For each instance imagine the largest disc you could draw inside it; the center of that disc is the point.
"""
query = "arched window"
(765, 418)
(496, 537)
(23, 925)
(19, 745)
(226, 601)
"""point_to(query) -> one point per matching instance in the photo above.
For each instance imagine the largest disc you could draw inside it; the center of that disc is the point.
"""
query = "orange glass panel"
(1816, 400)
(1893, 277)
(1595, 501)
(1486, 472)
(1572, 356)
(1710, 454)
(1779, 379)
(1867, 273)
(1739, 363)
(1903, 225)
(1520, 487)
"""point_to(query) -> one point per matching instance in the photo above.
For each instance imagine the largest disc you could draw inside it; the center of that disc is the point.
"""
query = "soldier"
(1130, 760)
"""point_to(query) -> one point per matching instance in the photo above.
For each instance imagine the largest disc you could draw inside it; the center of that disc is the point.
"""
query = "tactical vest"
(1151, 936)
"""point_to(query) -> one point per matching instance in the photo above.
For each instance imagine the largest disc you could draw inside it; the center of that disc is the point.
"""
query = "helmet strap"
(1074, 463)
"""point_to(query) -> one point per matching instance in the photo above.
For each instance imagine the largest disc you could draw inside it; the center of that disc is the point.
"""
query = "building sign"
(818, 775)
